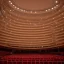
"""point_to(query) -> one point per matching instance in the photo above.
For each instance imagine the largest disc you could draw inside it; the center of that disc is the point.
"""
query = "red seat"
(32, 59)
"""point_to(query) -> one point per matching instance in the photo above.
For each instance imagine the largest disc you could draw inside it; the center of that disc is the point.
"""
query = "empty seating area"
(32, 59)
(31, 37)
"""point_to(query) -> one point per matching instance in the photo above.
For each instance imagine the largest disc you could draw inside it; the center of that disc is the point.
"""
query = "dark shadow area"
(58, 51)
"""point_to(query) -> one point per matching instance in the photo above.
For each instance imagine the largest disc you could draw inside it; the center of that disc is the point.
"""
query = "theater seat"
(32, 59)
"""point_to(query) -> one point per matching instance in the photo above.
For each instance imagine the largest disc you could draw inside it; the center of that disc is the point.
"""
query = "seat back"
(32, 59)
